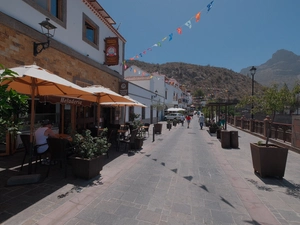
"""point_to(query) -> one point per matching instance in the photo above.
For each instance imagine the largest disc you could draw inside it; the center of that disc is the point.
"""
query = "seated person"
(41, 135)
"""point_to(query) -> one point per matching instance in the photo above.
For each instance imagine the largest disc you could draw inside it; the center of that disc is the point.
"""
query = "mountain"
(283, 67)
(213, 81)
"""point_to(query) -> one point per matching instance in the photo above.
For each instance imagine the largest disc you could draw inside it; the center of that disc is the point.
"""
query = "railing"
(279, 131)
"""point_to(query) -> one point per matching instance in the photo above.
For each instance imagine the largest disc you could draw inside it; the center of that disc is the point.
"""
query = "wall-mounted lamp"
(154, 96)
(46, 28)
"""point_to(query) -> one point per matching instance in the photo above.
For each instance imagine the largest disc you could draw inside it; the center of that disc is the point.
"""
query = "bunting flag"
(209, 6)
(179, 31)
(197, 17)
(188, 24)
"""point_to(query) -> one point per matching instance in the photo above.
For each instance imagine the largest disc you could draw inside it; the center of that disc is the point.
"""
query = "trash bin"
(234, 139)
(225, 139)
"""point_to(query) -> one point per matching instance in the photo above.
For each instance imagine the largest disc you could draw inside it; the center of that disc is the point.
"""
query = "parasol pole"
(33, 87)
(98, 113)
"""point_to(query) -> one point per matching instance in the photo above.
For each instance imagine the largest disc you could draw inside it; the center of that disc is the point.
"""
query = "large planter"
(269, 161)
(157, 128)
(174, 123)
(169, 126)
(139, 143)
(219, 133)
(87, 168)
(212, 130)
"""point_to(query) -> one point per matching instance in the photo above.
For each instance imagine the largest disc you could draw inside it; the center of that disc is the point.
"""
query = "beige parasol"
(36, 81)
(104, 95)
(133, 103)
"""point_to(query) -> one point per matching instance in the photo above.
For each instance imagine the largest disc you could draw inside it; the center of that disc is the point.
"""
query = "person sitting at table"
(41, 135)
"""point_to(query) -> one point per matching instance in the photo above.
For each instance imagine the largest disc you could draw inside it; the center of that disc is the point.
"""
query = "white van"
(172, 116)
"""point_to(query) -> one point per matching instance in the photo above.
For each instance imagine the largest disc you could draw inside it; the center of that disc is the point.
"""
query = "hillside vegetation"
(216, 83)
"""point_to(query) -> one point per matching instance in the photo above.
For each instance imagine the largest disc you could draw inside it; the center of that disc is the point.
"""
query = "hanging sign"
(111, 51)
(123, 88)
(64, 100)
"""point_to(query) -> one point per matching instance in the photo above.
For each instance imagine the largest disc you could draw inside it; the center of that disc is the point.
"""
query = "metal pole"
(153, 137)
(252, 96)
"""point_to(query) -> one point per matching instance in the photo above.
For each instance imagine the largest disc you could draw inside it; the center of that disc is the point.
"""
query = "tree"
(12, 105)
(273, 100)
(198, 93)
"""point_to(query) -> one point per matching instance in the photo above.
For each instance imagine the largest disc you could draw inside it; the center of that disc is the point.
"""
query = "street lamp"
(154, 96)
(252, 71)
(46, 28)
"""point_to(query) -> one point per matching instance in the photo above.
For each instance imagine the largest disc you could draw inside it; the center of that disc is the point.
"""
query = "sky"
(234, 34)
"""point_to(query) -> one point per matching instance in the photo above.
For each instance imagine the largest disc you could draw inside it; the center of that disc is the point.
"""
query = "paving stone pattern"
(184, 177)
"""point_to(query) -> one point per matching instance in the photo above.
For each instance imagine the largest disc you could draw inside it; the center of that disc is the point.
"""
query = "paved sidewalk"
(184, 177)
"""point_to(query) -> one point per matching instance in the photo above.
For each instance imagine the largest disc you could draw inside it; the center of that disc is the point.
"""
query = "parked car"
(172, 116)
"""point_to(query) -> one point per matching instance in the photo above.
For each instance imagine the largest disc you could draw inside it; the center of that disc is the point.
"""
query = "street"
(184, 177)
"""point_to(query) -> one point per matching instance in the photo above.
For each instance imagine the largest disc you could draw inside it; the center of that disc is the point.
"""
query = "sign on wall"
(123, 87)
(111, 51)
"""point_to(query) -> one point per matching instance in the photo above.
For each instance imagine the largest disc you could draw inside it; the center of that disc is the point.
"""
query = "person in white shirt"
(41, 135)
(201, 120)
(182, 118)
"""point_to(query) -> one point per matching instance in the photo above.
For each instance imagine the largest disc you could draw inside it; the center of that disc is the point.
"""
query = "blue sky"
(234, 34)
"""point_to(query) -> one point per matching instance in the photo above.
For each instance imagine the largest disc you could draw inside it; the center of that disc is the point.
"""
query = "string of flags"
(169, 37)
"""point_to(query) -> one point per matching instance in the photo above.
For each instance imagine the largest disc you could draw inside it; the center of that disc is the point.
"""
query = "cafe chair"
(130, 141)
(25, 138)
(59, 149)
(146, 128)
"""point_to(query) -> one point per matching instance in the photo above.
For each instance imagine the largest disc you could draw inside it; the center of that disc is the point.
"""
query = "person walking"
(182, 119)
(201, 120)
(188, 120)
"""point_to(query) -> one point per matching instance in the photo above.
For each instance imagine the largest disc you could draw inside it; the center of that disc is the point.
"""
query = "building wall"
(17, 49)
(70, 32)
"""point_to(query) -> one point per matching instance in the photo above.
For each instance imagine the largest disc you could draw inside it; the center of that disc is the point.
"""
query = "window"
(90, 32)
(54, 9)
(52, 6)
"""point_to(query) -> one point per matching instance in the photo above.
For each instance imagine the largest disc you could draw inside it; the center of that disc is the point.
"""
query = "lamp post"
(252, 71)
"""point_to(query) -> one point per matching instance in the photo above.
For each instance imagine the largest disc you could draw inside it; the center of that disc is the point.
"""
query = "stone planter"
(157, 128)
(174, 123)
(269, 161)
(87, 168)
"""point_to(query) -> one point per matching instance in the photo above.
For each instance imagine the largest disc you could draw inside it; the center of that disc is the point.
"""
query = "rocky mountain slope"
(283, 67)
(217, 83)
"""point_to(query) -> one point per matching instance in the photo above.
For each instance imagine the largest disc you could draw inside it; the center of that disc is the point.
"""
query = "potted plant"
(169, 125)
(270, 159)
(90, 153)
(213, 127)
(174, 122)
(13, 107)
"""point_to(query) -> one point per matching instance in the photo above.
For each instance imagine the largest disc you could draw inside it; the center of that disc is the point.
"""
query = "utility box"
(234, 139)
(225, 139)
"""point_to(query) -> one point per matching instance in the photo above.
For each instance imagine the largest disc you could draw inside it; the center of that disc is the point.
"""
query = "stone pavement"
(183, 177)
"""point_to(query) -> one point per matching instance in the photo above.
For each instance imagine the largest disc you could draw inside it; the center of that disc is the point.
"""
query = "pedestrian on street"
(201, 120)
(188, 120)
(182, 119)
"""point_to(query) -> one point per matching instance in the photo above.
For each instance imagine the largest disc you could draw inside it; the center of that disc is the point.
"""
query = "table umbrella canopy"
(133, 103)
(104, 95)
(175, 109)
(36, 81)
